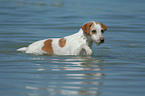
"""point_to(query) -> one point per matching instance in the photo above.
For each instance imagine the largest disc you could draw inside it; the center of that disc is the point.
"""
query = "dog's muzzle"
(102, 40)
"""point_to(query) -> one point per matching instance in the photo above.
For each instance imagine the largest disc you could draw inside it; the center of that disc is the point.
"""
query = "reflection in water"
(75, 76)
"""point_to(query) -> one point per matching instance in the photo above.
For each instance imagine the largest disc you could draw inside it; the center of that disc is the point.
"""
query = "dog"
(79, 43)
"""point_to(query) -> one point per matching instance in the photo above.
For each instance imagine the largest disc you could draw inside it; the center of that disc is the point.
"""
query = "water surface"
(116, 68)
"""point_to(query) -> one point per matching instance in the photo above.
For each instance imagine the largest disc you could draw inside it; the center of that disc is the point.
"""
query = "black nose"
(102, 39)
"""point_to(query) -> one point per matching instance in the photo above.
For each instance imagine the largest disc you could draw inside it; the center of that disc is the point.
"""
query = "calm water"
(116, 68)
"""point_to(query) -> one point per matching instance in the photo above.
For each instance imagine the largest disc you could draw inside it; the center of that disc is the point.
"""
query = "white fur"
(76, 44)
(96, 37)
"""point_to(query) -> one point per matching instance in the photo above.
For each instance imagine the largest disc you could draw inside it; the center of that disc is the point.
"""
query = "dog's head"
(95, 30)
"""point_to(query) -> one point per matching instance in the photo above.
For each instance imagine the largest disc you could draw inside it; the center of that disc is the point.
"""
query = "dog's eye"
(94, 31)
(102, 31)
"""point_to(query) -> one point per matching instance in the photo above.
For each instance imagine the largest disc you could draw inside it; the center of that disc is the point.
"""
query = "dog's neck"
(82, 36)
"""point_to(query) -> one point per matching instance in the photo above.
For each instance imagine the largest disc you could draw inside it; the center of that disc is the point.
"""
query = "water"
(116, 68)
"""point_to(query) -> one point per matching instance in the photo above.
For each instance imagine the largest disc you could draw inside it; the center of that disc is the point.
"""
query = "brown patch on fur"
(86, 28)
(62, 42)
(103, 26)
(48, 46)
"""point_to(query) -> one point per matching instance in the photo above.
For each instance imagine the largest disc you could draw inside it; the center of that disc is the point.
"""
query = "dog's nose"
(102, 39)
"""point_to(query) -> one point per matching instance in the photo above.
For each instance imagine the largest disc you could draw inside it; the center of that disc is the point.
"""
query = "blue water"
(116, 68)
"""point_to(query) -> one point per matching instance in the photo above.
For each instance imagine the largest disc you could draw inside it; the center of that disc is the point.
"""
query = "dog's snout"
(102, 39)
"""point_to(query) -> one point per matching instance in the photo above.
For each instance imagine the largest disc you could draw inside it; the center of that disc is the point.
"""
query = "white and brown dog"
(77, 44)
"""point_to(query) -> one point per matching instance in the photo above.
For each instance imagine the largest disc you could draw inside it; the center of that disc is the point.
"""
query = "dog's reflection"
(78, 75)
(87, 73)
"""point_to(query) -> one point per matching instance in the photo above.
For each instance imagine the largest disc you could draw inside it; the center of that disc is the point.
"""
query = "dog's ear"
(86, 28)
(103, 26)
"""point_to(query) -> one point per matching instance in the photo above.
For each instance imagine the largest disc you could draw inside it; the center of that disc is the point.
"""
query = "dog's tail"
(22, 49)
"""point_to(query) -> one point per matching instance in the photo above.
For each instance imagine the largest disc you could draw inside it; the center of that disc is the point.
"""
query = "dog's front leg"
(85, 50)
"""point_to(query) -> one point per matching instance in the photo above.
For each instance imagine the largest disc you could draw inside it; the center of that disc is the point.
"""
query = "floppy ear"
(86, 28)
(104, 26)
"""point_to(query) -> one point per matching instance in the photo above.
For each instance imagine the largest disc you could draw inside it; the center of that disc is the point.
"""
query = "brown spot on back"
(48, 46)
(62, 42)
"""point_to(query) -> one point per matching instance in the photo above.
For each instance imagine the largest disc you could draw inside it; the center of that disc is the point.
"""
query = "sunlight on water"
(75, 75)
